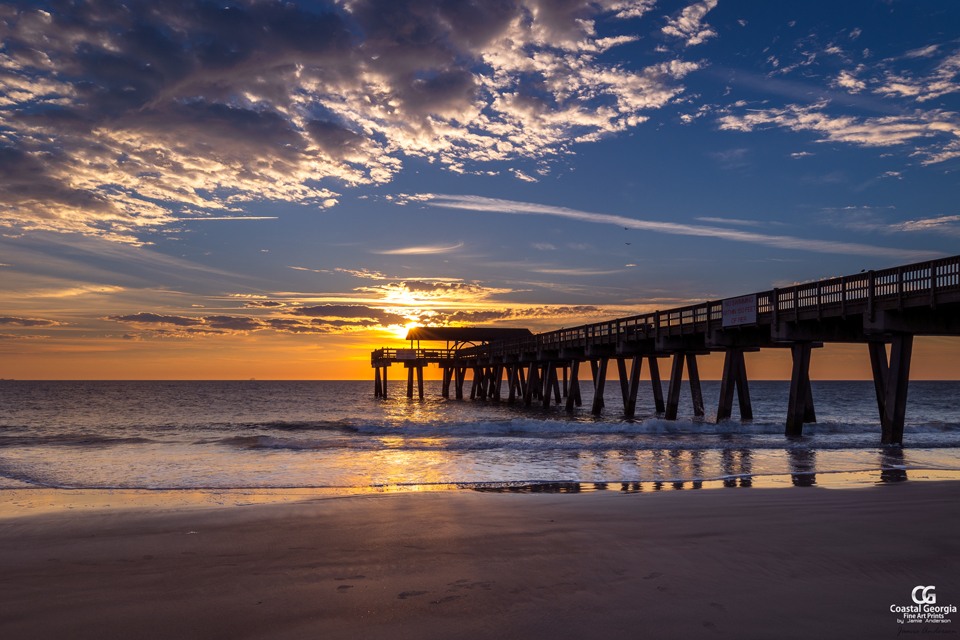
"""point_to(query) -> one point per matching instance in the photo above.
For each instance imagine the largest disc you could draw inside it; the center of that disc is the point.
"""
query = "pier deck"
(877, 308)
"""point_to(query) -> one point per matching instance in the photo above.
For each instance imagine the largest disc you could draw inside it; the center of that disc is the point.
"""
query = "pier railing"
(920, 284)
(400, 355)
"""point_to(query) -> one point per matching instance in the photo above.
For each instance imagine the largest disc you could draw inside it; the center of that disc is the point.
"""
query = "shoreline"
(762, 563)
(19, 502)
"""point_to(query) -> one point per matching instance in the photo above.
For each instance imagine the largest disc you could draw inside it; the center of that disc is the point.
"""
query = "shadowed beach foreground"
(744, 563)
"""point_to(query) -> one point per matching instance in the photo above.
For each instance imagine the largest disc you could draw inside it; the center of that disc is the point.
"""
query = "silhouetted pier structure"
(881, 309)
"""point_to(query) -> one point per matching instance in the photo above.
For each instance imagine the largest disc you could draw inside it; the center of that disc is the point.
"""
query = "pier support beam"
(497, 382)
(654, 366)
(513, 382)
(676, 378)
(532, 390)
(377, 385)
(414, 369)
(573, 396)
(460, 374)
(891, 379)
(800, 406)
(629, 385)
(550, 384)
(599, 370)
(734, 378)
(445, 386)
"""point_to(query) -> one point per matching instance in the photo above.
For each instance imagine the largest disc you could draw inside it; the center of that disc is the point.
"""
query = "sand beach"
(741, 563)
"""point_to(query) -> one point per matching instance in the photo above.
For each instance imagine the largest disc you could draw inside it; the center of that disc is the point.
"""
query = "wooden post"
(409, 381)
(420, 380)
(497, 382)
(673, 391)
(377, 386)
(557, 397)
(549, 375)
(384, 382)
(599, 368)
(898, 379)
(512, 382)
(727, 383)
(630, 404)
(445, 388)
(654, 365)
(573, 397)
(566, 391)
(624, 382)
(743, 390)
(734, 379)
(461, 374)
(693, 376)
(531, 384)
(878, 362)
(799, 383)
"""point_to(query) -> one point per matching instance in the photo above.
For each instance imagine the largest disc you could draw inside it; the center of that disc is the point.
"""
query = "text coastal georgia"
(925, 608)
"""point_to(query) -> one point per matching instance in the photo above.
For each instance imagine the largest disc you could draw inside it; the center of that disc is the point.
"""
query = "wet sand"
(732, 563)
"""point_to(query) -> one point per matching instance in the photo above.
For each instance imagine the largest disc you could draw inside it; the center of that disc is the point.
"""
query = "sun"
(401, 330)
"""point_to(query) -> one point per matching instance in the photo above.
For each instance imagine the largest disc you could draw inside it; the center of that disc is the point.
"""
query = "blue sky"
(291, 182)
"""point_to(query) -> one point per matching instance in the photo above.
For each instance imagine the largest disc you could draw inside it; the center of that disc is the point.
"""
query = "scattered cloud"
(689, 25)
(116, 118)
(479, 203)
(13, 321)
(520, 175)
(870, 219)
(934, 133)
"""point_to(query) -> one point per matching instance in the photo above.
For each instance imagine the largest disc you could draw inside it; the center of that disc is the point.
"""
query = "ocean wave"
(70, 440)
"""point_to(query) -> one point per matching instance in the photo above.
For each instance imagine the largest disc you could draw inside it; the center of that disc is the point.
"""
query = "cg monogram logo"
(927, 596)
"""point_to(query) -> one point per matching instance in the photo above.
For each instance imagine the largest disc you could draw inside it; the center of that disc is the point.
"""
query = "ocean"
(336, 435)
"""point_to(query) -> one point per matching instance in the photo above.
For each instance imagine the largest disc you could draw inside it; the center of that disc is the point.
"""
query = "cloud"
(321, 319)
(116, 118)
(13, 321)
(419, 251)
(689, 25)
(479, 203)
(949, 225)
(409, 292)
(520, 175)
(933, 132)
(869, 219)
(351, 313)
(943, 79)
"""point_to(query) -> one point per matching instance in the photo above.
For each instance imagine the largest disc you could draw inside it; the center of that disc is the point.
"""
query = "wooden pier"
(882, 309)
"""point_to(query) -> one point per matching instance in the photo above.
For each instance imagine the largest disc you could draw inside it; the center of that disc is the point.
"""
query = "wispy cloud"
(230, 218)
(479, 203)
(935, 132)
(420, 251)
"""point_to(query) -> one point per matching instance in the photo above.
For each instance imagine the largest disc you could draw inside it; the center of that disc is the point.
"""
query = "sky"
(258, 189)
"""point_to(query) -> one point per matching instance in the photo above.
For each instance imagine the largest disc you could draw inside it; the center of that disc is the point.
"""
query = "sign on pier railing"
(740, 310)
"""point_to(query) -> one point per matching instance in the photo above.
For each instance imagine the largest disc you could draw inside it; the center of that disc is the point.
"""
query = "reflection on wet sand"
(803, 464)
(736, 465)
(736, 472)
(892, 467)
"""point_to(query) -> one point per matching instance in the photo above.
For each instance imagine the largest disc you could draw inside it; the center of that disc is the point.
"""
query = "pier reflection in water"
(803, 464)
(736, 472)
